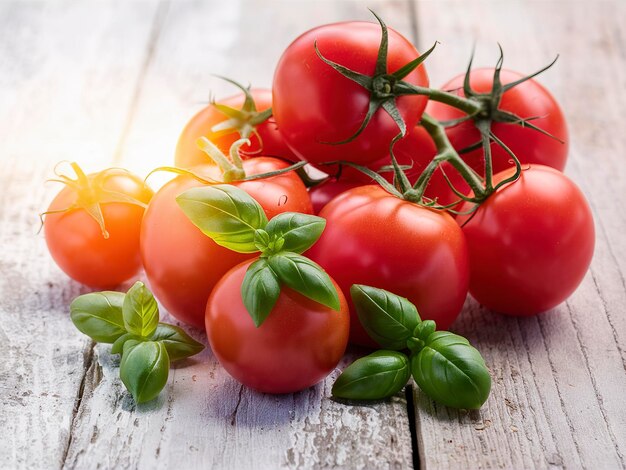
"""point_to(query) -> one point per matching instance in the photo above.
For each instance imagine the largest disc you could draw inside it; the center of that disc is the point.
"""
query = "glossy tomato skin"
(297, 346)
(268, 142)
(183, 264)
(314, 104)
(75, 239)
(526, 100)
(376, 239)
(530, 243)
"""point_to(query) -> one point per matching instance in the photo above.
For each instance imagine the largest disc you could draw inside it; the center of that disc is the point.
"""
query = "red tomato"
(75, 239)
(324, 192)
(298, 345)
(416, 151)
(526, 100)
(314, 104)
(530, 243)
(268, 142)
(183, 264)
(379, 240)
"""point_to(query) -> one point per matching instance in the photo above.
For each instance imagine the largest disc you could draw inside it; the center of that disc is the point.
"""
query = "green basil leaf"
(449, 370)
(299, 231)
(118, 345)
(388, 318)
(373, 377)
(99, 315)
(305, 277)
(260, 290)
(144, 369)
(179, 344)
(226, 214)
(140, 310)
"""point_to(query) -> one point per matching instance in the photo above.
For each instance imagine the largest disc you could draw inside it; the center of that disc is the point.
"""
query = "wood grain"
(559, 381)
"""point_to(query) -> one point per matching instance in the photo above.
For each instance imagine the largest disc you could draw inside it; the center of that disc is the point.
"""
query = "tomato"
(526, 100)
(314, 104)
(530, 243)
(267, 141)
(298, 345)
(324, 192)
(182, 264)
(76, 240)
(416, 151)
(379, 240)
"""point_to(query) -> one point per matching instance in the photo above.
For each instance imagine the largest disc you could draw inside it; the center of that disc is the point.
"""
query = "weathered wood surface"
(112, 82)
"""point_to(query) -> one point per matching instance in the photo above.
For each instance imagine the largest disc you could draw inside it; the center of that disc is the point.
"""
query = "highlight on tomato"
(92, 226)
(181, 263)
(345, 83)
(246, 115)
(277, 323)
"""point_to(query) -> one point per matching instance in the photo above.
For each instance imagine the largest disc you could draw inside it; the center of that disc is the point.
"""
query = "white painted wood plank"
(66, 75)
(204, 418)
(559, 377)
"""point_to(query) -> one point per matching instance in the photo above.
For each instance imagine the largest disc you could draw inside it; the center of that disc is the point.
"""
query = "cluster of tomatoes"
(430, 194)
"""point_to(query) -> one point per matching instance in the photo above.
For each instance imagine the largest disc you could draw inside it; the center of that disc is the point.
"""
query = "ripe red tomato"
(183, 264)
(267, 142)
(324, 192)
(416, 151)
(379, 240)
(530, 243)
(298, 345)
(75, 239)
(314, 104)
(529, 99)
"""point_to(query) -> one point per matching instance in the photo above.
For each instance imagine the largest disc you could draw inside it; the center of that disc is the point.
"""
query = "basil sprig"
(233, 219)
(444, 365)
(131, 323)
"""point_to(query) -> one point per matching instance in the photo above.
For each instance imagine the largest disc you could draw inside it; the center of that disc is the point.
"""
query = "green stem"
(469, 106)
(447, 153)
(484, 127)
(231, 171)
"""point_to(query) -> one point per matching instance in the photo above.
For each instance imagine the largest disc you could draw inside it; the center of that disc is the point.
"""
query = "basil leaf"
(449, 370)
(179, 344)
(118, 345)
(305, 277)
(260, 290)
(144, 369)
(99, 315)
(226, 214)
(388, 318)
(299, 231)
(379, 375)
(140, 311)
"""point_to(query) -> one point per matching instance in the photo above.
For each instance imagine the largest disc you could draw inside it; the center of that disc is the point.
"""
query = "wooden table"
(112, 82)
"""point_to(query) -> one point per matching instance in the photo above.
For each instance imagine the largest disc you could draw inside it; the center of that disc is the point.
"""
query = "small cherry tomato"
(297, 346)
(183, 264)
(530, 243)
(92, 226)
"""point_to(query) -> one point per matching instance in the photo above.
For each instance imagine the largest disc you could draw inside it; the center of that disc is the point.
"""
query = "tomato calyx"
(91, 193)
(244, 120)
(233, 219)
(444, 365)
(384, 87)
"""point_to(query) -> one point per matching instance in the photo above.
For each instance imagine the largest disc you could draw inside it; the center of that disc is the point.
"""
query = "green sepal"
(379, 375)
(260, 290)
(140, 311)
(99, 315)
(299, 231)
(118, 345)
(451, 371)
(388, 319)
(226, 214)
(306, 277)
(144, 369)
(178, 343)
